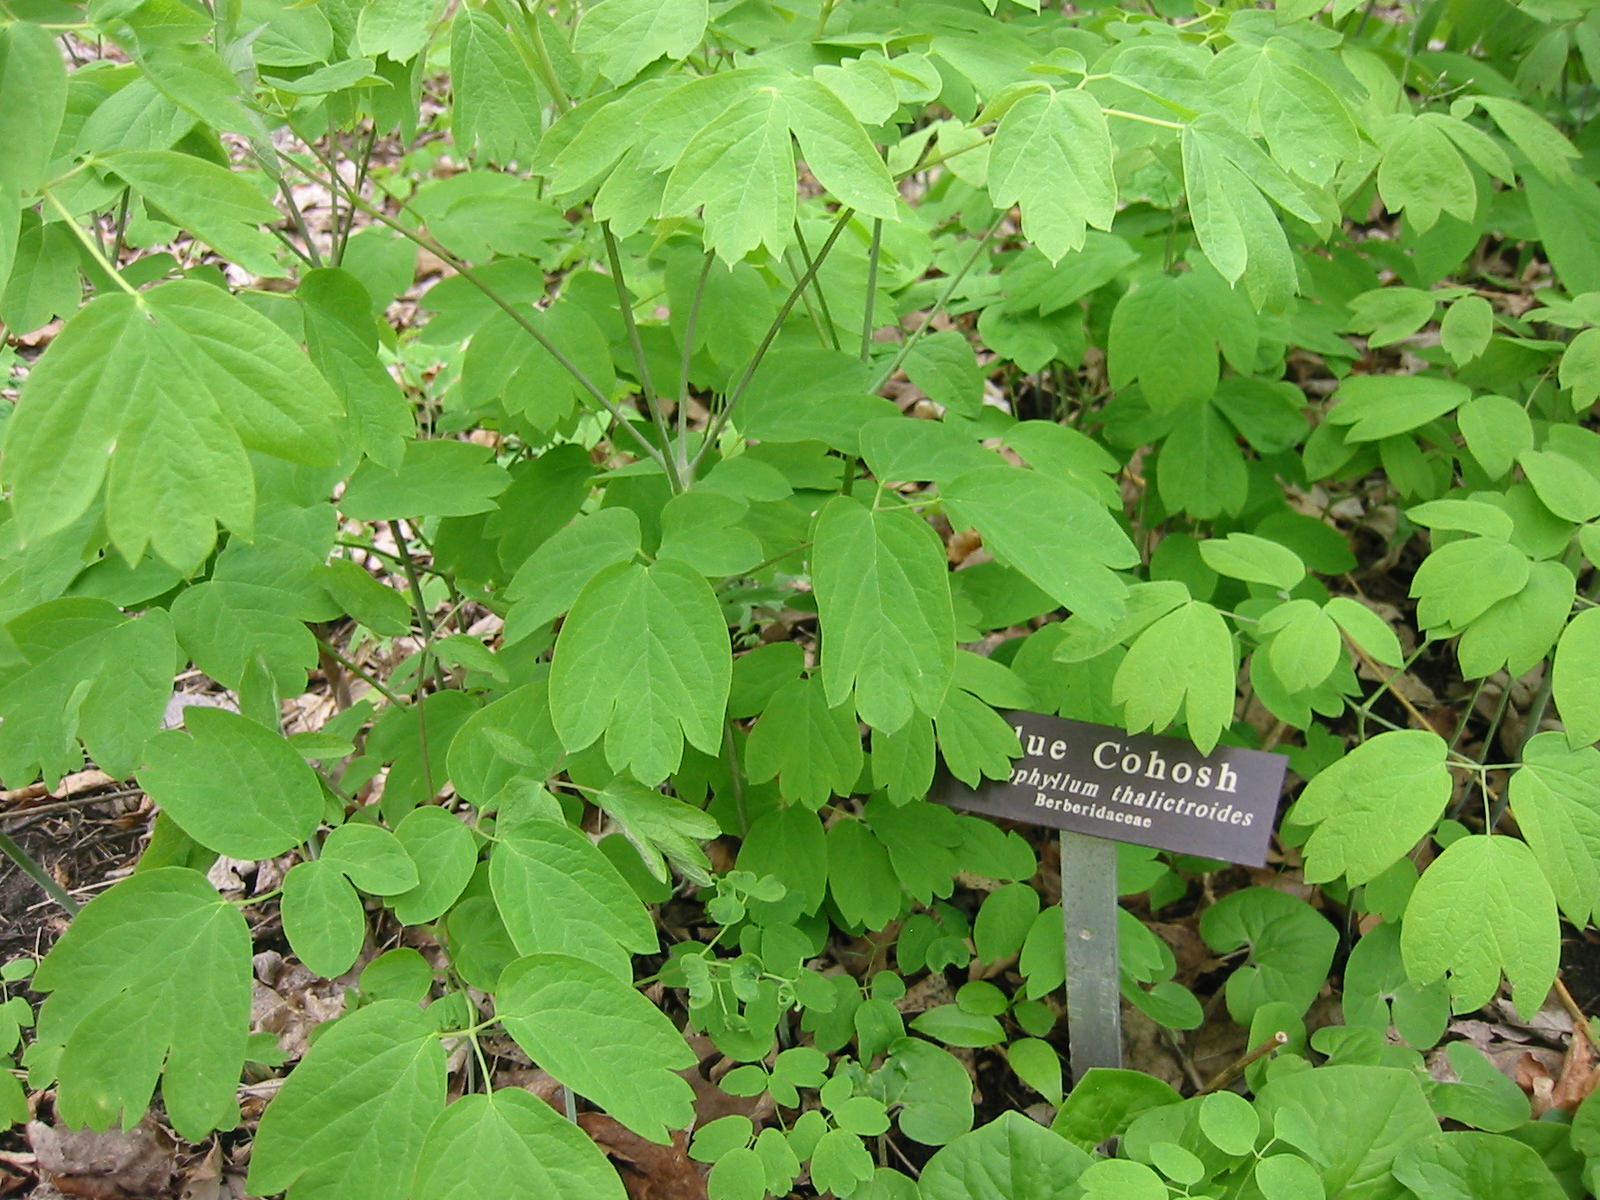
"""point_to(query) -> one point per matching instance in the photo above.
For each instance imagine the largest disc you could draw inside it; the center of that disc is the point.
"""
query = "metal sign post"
(1089, 923)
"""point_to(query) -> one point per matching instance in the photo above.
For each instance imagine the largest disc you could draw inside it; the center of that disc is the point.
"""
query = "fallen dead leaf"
(649, 1171)
(105, 1166)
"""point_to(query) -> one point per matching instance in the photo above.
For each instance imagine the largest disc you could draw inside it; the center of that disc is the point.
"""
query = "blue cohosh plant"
(622, 537)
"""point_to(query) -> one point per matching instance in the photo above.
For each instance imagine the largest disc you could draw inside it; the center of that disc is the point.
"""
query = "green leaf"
(943, 365)
(351, 1118)
(445, 855)
(1497, 431)
(1460, 580)
(1483, 906)
(1184, 660)
(376, 605)
(1003, 921)
(234, 786)
(628, 35)
(497, 104)
(212, 202)
(158, 397)
(1422, 174)
(1467, 326)
(224, 625)
(511, 737)
(1229, 1123)
(883, 594)
(661, 828)
(1363, 1116)
(739, 169)
(152, 974)
(439, 477)
(1519, 631)
(838, 151)
(1202, 473)
(701, 528)
(33, 101)
(814, 751)
(1104, 1103)
(1121, 1179)
(1011, 1158)
(510, 1143)
(1577, 678)
(1288, 1177)
(1304, 645)
(322, 918)
(974, 739)
(86, 671)
(1556, 799)
(601, 1038)
(1253, 559)
(644, 658)
(557, 893)
(1373, 805)
(1233, 221)
(1052, 154)
(546, 585)
(1566, 487)
(1059, 538)
(861, 877)
(372, 858)
(1291, 948)
(1580, 368)
(1475, 1166)
(1388, 314)
(506, 363)
(953, 1026)
(396, 30)
(1037, 1064)
(1380, 406)
(342, 340)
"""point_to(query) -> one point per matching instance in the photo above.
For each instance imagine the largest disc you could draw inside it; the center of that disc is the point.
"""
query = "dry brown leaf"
(649, 1171)
(105, 1166)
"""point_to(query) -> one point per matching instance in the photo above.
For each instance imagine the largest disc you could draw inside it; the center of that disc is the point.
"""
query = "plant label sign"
(1143, 788)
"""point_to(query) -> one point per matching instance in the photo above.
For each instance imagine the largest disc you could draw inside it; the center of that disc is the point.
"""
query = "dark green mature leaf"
(1373, 805)
(89, 672)
(1011, 1158)
(644, 659)
(1483, 906)
(1104, 1103)
(1051, 532)
(234, 786)
(350, 1120)
(933, 1089)
(883, 594)
(861, 876)
(509, 1143)
(158, 397)
(154, 974)
(1291, 948)
(601, 1038)
(439, 477)
(1363, 1116)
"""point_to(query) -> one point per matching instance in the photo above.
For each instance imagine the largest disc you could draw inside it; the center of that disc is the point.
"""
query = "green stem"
(689, 329)
(360, 673)
(547, 66)
(872, 288)
(462, 268)
(426, 622)
(652, 402)
(38, 874)
(1131, 116)
(95, 252)
(955, 282)
(816, 285)
(714, 430)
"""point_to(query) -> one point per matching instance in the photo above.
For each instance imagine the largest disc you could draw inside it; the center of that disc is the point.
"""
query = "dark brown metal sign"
(1143, 788)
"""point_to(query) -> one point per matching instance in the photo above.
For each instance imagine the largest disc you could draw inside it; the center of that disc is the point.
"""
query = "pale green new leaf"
(1423, 174)
(349, 1122)
(1052, 153)
(88, 672)
(342, 340)
(233, 785)
(158, 397)
(1184, 661)
(1577, 678)
(1305, 645)
(218, 206)
(396, 29)
(1580, 368)
(601, 1038)
(1546, 148)
(1564, 486)
(1466, 329)
(152, 974)
(740, 170)
(1380, 406)
(1461, 579)
(644, 658)
(661, 828)
(1011, 1158)
(1497, 431)
(628, 35)
(1483, 906)
(1556, 799)
(1373, 805)
(1058, 537)
(1366, 629)
(33, 101)
(497, 110)
(883, 594)
(557, 893)
(838, 151)
(371, 857)
(445, 855)
(1253, 559)
(1519, 631)
(511, 1145)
